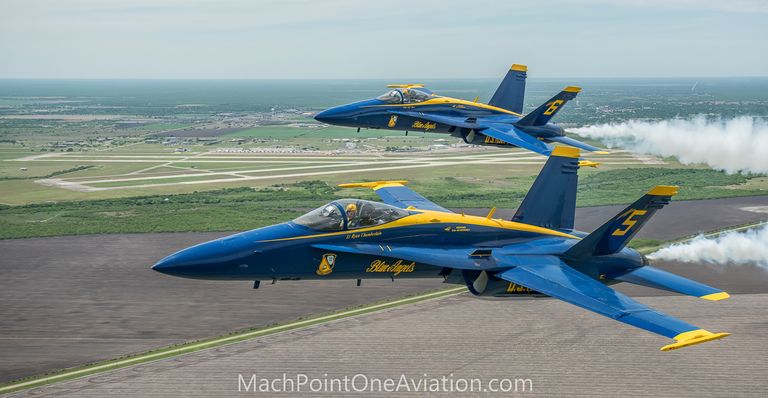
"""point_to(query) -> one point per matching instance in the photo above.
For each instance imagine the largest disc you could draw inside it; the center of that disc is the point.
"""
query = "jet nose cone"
(325, 116)
(166, 265)
(190, 261)
(207, 260)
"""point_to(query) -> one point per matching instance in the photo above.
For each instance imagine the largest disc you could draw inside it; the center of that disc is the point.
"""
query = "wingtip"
(716, 296)
(373, 184)
(601, 153)
(572, 89)
(693, 337)
(405, 85)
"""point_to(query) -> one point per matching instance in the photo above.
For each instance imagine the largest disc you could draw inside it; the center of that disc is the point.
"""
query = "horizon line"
(382, 78)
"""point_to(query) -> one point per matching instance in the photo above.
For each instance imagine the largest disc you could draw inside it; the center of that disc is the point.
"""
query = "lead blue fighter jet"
(536, 253)
(412, 107)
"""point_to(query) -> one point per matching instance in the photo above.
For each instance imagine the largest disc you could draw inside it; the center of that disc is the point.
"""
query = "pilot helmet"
(351, 208)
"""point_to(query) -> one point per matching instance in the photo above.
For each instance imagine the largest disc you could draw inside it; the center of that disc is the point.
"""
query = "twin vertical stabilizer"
(551, 201)
(511, 92)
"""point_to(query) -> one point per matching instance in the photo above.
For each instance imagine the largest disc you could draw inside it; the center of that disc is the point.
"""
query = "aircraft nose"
(328, 115)
(345, 114)
(203, 259)
(167, 265)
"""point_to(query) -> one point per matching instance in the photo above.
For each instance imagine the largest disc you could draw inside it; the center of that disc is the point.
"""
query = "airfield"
(95, 298)
(152, 170)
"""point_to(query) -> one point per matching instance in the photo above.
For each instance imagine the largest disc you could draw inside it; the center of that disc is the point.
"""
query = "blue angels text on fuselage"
(536, 253)
(500, 122)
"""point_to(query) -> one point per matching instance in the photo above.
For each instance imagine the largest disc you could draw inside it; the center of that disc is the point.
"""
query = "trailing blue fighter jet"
(536, 253)
(412, 107)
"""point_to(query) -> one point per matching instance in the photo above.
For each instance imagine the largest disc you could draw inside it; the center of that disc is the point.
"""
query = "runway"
(561, 349)
(252, 166)
(74, 300)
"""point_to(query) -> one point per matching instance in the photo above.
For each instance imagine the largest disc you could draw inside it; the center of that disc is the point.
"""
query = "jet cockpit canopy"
(346, 214)
(405, 94)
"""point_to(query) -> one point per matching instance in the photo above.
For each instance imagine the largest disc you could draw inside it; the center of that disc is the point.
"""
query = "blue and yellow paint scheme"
(500, 122)
(405, 235)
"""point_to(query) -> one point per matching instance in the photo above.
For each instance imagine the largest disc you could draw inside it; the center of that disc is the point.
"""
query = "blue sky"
(382, 39)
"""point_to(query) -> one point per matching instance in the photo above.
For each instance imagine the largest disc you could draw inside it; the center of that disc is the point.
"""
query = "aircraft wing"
(449, 120)
(500, 131)
(511, 135)
(504, 132)
(551, 276)
(456, 257)
(395, 193)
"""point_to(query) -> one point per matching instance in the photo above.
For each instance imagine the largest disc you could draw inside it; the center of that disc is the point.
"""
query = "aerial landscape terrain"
(99, 179)
(110, 156)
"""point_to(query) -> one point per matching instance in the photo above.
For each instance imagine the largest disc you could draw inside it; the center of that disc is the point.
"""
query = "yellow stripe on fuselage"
(426, 217)
(439, 100)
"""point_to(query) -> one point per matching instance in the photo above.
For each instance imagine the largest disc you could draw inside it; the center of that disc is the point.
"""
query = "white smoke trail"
(750, 247)
(735, 145)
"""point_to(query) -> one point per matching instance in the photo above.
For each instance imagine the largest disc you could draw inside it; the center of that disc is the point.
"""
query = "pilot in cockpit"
(404, 96)
(353, 221)
(350, 214)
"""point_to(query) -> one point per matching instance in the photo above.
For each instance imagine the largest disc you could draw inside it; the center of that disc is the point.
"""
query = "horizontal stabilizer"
(550, 276)
(659, 279)
(578, 144)
(612, 236)
(513, 136)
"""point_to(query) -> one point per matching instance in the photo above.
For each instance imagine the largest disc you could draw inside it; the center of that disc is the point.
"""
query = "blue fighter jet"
(412, 107)
(536, 253)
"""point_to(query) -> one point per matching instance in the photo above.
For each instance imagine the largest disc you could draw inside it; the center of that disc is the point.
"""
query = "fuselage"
(378, 114)
(285, 251)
